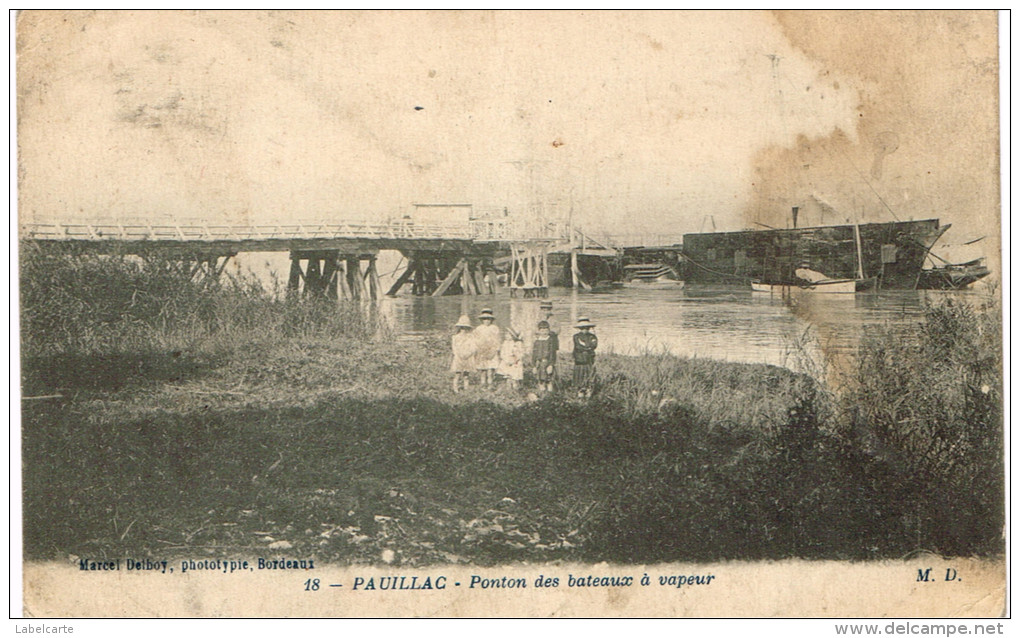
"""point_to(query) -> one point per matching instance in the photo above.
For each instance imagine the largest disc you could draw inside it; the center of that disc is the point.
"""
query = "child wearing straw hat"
(585, 343)
(546, 314)
(463, 345)
(487, 342)
(511, 358)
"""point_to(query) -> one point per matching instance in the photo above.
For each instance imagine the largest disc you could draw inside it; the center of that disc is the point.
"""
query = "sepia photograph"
(514, 314)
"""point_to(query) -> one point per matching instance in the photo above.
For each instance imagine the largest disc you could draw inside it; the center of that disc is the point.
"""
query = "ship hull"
(892, 252)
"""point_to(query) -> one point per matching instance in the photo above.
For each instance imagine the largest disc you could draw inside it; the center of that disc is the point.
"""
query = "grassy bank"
(215, 421)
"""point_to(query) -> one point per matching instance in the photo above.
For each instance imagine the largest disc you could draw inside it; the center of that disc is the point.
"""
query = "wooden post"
(432, 271)
(575, 273)
(354, 279)
(372, 274)
(313, 279)
(476, 278)
(196, 268)
(329, 277)
(360, 279)
(465, 280)
(488, 278)
(294, 281)
(376, 283)
(512, 279)
(450, 278)
(343, 279)
(473, 279)
(543, 289)
(222, 266)
(418, 288)
(526, 273)
(412, 267)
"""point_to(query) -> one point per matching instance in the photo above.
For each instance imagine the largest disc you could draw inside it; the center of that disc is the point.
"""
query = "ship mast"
(860, 260)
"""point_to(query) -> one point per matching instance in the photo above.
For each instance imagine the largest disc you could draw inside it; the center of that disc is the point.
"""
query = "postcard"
(511, 314)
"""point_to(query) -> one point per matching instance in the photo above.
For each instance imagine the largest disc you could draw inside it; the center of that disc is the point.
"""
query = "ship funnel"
(796, 209)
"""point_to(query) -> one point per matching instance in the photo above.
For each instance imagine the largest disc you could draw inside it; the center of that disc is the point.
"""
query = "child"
(585, 343)
(546, 310)
(543, 356)
(487, 346)
(463, 345)
(511, 358)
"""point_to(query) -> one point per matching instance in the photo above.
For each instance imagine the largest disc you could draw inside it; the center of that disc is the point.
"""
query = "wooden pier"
(339, 260)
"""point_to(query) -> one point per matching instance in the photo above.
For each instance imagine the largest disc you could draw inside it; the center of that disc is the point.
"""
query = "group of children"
(479, 349)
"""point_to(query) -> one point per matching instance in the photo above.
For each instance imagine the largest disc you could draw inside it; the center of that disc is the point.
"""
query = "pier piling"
(332, 275)
(529, 269)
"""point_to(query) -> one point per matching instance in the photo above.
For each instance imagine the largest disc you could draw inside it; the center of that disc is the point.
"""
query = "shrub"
(89, 319)
(923, 413)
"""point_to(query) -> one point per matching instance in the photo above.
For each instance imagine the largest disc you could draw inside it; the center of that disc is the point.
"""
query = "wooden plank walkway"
(476, 237)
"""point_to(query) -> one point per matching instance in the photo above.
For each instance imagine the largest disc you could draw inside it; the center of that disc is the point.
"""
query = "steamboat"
(892, 254)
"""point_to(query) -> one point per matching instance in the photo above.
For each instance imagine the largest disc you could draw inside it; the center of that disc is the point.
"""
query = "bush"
(922, 412)
(103, 320)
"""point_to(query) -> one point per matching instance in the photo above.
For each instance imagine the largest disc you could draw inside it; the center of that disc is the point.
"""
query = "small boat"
(606, 285)
(812, 281)
(659, 283)
(662, 283)
(952, 276)
(824, 286)
(844, 286)
(818, 282)
(656, 275)
(757, 286)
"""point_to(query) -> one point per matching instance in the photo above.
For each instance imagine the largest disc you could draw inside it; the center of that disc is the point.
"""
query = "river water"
(724, 323)
(711, 322)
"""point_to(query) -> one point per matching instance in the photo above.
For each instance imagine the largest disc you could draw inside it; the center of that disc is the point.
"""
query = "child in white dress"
(487, 342)
(511, 359)
(463, 346)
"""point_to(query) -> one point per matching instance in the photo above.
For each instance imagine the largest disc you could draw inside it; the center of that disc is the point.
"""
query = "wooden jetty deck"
(232, 239)
(326, 256)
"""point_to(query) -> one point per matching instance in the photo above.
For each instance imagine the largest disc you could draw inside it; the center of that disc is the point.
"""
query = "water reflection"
(710, 322)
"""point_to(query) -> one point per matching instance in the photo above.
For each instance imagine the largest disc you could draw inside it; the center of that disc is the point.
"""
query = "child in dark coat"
(543, 356)
(585, 343)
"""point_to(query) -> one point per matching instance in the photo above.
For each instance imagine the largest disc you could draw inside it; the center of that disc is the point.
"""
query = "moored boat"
(808, 279)
(828, 286)
(606, 285)
(664, 283)
(952, 276)
(653, 275)
(839, 286)
(894, 252)
(757, 286)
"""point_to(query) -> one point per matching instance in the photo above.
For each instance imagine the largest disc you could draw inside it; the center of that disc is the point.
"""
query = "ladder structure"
(529, 269)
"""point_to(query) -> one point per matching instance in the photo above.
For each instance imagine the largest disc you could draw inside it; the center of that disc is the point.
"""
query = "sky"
(634, 122)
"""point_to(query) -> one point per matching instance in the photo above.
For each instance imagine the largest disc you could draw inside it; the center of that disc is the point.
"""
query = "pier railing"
(476, 230)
